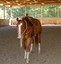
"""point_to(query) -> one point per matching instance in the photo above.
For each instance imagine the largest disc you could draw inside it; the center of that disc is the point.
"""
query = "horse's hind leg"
(31, 47)
(32, 42)
(39, 43)
(39, 47)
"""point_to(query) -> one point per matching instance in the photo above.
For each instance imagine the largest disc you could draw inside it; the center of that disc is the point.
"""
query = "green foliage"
(59, 7)
(34, 11)
(18, 12)
(49, 11)
(7, 14)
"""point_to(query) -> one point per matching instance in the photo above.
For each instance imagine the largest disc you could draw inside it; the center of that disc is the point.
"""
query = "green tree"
(49, 11)
(34, 11)
(18, 12)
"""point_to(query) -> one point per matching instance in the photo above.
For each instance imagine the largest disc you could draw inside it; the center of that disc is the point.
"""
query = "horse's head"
(19, 21)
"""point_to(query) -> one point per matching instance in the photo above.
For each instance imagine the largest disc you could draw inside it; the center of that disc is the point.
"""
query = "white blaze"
(19, 30)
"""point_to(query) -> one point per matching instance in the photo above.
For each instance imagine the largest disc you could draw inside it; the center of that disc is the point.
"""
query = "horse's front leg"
(20, 42)
(28, 49)
(24, 46)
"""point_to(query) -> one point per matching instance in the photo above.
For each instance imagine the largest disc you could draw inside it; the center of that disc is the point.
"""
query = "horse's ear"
(17, 19)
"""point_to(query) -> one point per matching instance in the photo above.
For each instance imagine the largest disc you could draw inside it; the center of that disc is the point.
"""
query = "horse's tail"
(36, 39)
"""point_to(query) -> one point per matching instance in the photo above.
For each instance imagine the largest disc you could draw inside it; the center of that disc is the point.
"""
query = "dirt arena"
(11, 53)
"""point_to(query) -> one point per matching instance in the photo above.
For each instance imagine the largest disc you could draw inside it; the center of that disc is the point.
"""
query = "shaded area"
(11, 53)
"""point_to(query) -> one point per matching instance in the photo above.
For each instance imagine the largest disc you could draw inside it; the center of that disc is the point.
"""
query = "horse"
(30, 35)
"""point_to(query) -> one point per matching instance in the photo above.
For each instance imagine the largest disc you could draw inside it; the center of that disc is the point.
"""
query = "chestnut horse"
(30, 35)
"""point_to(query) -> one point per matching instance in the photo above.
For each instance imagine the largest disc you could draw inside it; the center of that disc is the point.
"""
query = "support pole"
(10, 15)
(25, 10)
(4, 11)
(41, 14)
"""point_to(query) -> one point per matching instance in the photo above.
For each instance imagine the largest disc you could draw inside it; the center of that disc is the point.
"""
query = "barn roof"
(29, 2)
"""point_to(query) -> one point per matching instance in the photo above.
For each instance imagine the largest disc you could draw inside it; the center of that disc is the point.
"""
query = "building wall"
(4, 22)
(50, 20)
(42, 20)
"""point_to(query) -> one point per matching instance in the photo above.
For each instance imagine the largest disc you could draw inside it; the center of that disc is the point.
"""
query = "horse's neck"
(25, 25)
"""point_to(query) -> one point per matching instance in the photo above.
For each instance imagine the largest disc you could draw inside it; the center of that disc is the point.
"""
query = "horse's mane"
(28, 20)
(32, 21)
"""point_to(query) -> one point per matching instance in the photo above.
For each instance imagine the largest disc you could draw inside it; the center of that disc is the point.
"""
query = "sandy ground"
(11, 53)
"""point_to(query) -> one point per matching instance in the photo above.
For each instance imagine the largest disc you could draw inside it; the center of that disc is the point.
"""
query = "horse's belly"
(37, 29)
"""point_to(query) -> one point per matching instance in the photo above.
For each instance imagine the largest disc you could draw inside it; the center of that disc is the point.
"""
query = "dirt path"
(10, 52)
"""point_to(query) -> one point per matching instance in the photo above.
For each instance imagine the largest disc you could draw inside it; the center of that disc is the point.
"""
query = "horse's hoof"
(25, 57)
(18, 37)
(31, 52)
(27, 61)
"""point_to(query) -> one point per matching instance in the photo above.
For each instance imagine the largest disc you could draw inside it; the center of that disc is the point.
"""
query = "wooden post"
(25, 10)
(58, 12)
(11, 11)
(10, 15)
(41, 14)
(4, 11)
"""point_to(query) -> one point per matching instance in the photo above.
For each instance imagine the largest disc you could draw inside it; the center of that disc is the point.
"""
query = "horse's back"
(37, 30)
(37, 25)
(35, 21)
